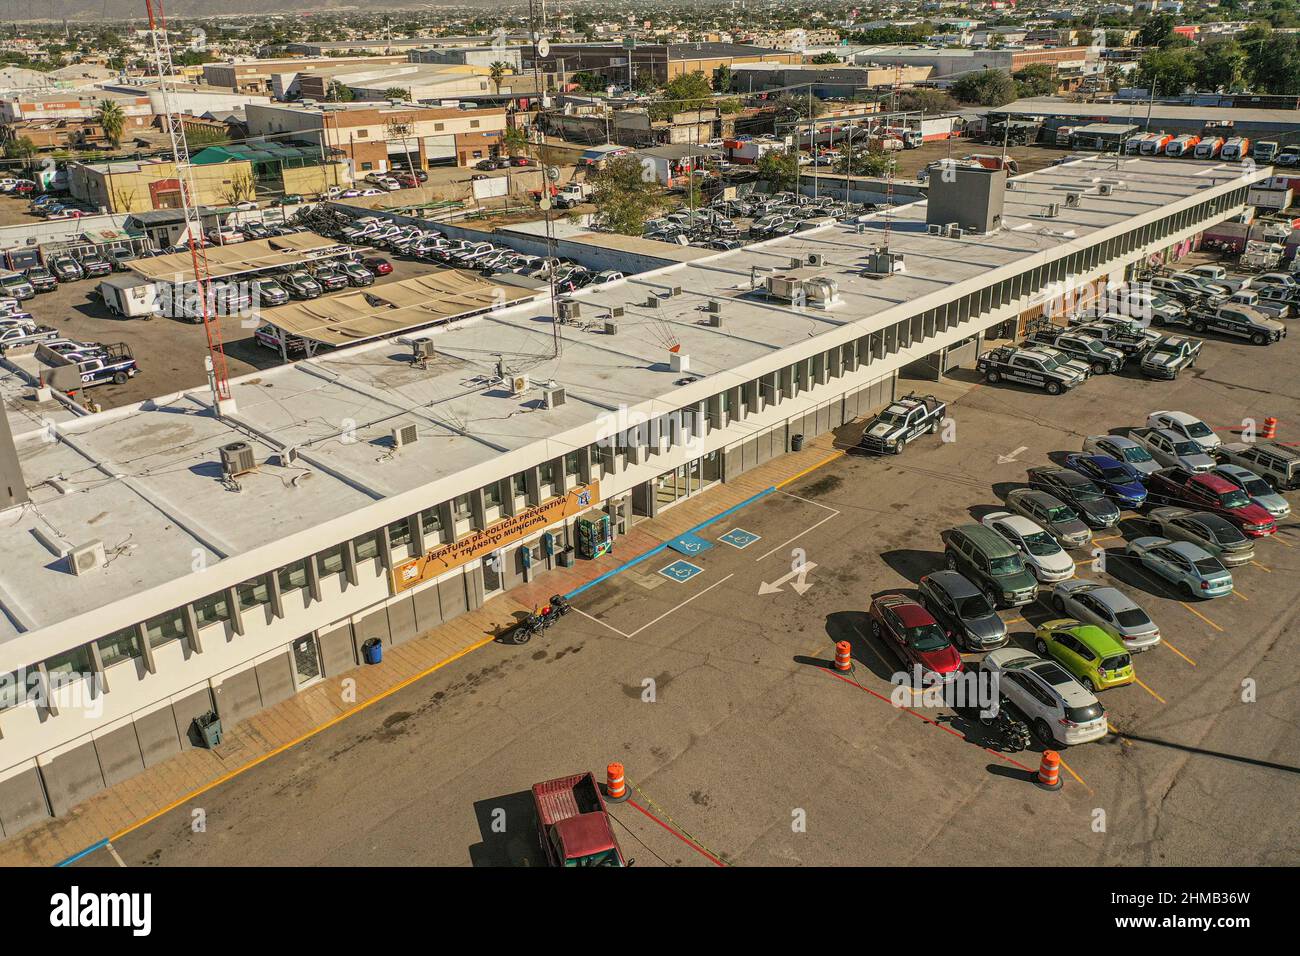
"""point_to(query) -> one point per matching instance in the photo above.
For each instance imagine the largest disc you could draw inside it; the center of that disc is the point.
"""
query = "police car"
(1036, 367)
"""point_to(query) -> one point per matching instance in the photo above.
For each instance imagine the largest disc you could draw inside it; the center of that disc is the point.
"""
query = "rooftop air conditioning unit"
(713, 305)
(611, 327)
(616, 312)
(86, 558)
(955, 231)
(237, 458)
(518, 384)
(1072, 199)
(1106, 189)
(675, 291)
(796, 263)
(679, 362)
(405, 434)
(935, 229)
(816, 259)
(423, 349)
(652, 302)
(1011, 184)
(715, 320)
(553, 397)
(821, 292)
(288, 456)
(1052, 210)
(569, 310)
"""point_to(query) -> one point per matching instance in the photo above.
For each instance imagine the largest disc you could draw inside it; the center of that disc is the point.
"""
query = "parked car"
(268, 336)
(990, 561)
(1061, 711)
(269, 292)
(330, 279)
(94, 266)
(1093, 658)
(1077, 491)
(962, 609)
(67, 269)
(1260, 491)
(915, 637)
(1172, 449)
(1046, 560)
(377, 264)
(357, 275)
(288, 199)
(1110, 609)
(1212, 493)
(1210, 532)
(1122, 449)
(17, 286)
(1191, 569)
(42, 279)
(1119, 480)
(1050, 513)
(1277, 464)
(302, 286)
(1187, 426)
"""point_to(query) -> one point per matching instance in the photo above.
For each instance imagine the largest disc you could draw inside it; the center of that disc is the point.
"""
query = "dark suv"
(991, 562)
(963, 610)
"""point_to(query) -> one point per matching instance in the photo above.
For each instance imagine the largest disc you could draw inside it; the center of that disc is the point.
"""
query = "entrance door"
(306, 660)
(493, 574)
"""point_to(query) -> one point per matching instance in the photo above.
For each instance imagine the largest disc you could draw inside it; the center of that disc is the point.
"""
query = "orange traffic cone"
(615, 785)
(1049, 771)
(1270, 428)
(843, 656)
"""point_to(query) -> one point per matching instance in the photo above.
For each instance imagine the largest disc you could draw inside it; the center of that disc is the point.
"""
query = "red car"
(1212, 493)
(406, 180)
(915, 636)
(377, 264)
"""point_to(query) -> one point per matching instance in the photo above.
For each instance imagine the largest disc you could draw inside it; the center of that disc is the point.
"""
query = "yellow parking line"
(1178, 652)
(1112, 537)
(825, 461)
(1149, 690)
(1070, 771)
(1015, 620)
(1282, 541)
(1261, 567)
(1201, 616)
(1237, 594)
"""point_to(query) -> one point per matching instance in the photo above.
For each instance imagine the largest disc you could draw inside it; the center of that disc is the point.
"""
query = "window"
(547, 471)
(437, 127)
(399, 534)
(212, 609)
(365, 166)
(520, 483)
(123, 645)
(70, 665)
(367, 546)
(492, 495)
(254, 593)
(292, 576)
(165, 628)
(431, 522)
(473, 124)
(330, 561)
(363, 133)
(460, 507)
(571, 464)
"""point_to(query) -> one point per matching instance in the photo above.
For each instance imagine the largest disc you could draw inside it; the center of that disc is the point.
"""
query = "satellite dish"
(543, 47)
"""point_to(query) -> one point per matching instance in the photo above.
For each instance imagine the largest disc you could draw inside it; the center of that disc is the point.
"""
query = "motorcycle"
(541, 619)
(1012, 732)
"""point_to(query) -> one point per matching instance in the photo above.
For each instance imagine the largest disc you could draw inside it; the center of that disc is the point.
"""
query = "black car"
(94, 265)
(1078, 492)
(41, 279)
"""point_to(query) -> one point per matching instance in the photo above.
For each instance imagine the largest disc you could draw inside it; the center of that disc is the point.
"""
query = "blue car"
(1120, 480)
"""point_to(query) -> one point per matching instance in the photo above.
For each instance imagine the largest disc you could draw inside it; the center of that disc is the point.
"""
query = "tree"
(1222, 66)
(20, 148)
(826, 58)
(514, 142)
(111, 117)
(625, 194)
(986, 88)
(689, 91)
(856, 161)
(497, 72)
(588, 82)
(779, 168)
(1037, 79)
(928, 101)
(1157, 31)
(722, 78)
(397, 93)
(241, 188)
(1274, 62)
(338, 93)
(1169, 71)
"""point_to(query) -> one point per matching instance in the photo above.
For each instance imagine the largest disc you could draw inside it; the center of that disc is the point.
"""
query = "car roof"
(987, 540)
(1113, 598)
(1063, 682)
(1034, 494)
(1192, 552)
(1020, 524)
(953, 583)
(1183, 418)
(1101, 461)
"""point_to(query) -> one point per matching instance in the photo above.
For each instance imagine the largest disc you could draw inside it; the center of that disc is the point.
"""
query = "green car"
(1091, 655)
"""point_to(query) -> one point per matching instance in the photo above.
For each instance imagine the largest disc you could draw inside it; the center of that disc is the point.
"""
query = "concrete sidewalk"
(121, 808)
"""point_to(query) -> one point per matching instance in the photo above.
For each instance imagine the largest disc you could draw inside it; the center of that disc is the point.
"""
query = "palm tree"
(497, 72)
(113, 120)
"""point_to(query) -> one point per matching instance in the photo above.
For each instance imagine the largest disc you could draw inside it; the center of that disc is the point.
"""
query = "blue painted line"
(653, 551)
(86, 852)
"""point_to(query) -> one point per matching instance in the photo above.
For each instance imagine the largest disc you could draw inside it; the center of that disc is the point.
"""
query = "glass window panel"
(165, 628)
(121, 645)
(211, 610)
(254, 593)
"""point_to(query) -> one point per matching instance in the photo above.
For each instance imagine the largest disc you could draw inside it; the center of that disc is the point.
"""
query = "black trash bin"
(566, 558)
(208, 727)
(796, 443)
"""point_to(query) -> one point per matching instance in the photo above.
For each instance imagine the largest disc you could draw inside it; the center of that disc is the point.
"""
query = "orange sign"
(443, 558)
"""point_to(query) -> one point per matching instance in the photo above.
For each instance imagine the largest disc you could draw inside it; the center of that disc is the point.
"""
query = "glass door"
(306, 660)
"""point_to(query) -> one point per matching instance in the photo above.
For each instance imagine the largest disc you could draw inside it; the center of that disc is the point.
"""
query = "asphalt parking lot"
(712, 686)
(170, 352)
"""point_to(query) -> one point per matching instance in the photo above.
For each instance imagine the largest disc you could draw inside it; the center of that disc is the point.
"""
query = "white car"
(1188, 426)
(371, 192)
(1046, 559)
(1060, 709)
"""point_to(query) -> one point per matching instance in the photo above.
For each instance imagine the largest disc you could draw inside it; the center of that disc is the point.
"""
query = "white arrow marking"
(1008, 459)
(800, 585)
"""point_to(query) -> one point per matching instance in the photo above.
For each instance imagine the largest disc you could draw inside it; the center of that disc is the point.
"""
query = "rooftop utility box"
(970, 196)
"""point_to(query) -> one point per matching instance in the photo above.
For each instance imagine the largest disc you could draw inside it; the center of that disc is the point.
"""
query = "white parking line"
(798, 536)
(671, 610)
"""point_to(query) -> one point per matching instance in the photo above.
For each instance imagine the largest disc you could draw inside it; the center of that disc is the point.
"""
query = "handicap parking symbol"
(740, 538)
(680, 571)
(689, 544)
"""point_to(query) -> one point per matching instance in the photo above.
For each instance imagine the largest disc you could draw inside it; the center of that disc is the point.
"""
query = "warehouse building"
(163, 561)
(1281, 125)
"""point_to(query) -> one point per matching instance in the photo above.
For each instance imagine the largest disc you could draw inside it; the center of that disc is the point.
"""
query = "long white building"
(140, 587)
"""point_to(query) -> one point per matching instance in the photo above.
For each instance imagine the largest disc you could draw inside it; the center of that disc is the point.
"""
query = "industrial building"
(661, 61)
(172, 559)
(1281, 125)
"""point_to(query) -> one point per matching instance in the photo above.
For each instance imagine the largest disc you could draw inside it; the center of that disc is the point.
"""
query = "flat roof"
(146, 479)
(1137, 111)
(236, 258)
(25, 413)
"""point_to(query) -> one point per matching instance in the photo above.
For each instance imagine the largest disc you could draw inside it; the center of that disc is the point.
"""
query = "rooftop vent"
(405, 434)
(237, 459)
(422, 350)
(713, 305)
(715, 320)
(86, 558)
(1052, 210)
(795, 262)
(816, 259)
(1072, 199)
(679, 362)
(652, 302)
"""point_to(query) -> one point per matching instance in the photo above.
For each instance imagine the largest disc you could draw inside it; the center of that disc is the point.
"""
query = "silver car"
(1192, 570)
(1260, 491)
(1122, 449)
(1110, 609)
(1048, 512)
(1209, 532)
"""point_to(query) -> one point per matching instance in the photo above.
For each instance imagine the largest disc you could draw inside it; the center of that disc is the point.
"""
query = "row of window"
(632, 444)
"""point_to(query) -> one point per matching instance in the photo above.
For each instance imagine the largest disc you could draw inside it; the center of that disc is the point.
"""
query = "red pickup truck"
(572, 823)
(1212, 493)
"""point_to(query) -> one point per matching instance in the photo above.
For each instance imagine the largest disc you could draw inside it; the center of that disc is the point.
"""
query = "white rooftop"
(146, 480)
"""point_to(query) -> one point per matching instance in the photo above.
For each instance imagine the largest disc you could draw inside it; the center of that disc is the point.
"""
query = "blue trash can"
(372, 651)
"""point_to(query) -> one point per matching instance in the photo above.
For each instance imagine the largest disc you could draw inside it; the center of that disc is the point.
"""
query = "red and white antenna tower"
(218, 374)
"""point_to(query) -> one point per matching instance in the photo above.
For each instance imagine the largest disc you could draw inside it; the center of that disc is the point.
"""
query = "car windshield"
(1132, 617)
(1041, 544)
(927, 637)
(1060, 514)
(1187, 448)
(1234, 499)
(977, 605)
(891, 417)
(1136, 454)
(1008, 565)
(1198, 430)
(1116, 474)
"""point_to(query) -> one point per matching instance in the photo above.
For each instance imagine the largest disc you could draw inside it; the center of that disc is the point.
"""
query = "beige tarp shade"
(236, 258)
(391, 308)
